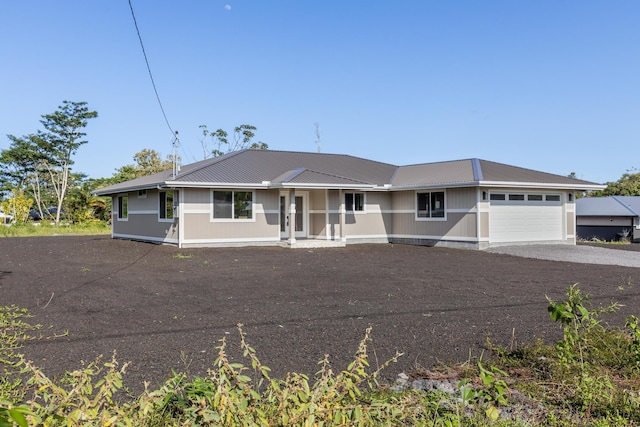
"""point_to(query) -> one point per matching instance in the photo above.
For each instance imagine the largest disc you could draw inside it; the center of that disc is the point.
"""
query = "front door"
(301, 216)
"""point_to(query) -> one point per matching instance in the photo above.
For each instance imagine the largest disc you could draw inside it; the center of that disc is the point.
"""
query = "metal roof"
(627, 206)
(270, 168)
(432, 174)
(267, 165)
(499, 172)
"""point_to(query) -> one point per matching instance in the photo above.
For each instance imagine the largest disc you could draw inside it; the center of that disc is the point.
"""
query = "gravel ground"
(626, 256)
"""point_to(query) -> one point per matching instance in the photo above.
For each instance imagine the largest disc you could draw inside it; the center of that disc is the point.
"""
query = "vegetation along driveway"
(165, 308)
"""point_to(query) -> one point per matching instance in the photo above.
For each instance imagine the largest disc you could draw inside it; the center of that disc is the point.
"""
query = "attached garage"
(525, 217)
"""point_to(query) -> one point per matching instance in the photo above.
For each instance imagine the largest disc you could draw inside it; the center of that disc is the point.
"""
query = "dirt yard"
(165, 308)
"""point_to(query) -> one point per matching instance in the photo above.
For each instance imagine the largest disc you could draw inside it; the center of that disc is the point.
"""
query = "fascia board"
(430, 186)
(504, 184)
(127, 189)
(183, 184)
(265, 185)
(328, 186)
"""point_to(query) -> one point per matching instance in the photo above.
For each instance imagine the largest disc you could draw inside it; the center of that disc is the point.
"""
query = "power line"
(153, 83)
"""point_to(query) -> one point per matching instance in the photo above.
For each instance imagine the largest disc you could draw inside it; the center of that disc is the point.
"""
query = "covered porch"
(312, 218)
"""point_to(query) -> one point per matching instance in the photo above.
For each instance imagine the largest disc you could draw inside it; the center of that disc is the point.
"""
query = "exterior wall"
(387, 217)
(570, 233)
(317, 214)
(333, 222)
(202, 230)
(606, 228)
(143, 221)
(606, 233)
(374, 223)
(602, 221)
(459, 227)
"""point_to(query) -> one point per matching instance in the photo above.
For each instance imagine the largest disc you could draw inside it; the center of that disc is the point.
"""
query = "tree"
(21, 169)
(61, 141)
(242, 136)
(627, 185)
(18, 206)
(83, 206)
(45, 158)
(147, 162)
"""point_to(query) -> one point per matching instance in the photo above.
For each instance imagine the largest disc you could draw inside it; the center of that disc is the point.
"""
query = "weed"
(180, 255)
(590, 377)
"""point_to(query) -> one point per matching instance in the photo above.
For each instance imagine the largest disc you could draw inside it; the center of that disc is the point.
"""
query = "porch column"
(341, 213)
(292, 216)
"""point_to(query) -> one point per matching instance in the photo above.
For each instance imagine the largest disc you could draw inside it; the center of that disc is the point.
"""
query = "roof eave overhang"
(430, 186)
(180, 184)
(305, 185)
(99, 192)
(371, 187)
(269, 185)
(558, 186)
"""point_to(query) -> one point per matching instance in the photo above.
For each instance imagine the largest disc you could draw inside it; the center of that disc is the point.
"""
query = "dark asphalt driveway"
(164, 308)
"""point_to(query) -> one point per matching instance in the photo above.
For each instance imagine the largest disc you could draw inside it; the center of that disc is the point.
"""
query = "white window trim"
(364, 202)
(421, 218)
(234, 220)
(160, 219)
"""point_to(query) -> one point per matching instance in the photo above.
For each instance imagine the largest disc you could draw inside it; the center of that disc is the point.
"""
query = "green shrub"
(589, 378)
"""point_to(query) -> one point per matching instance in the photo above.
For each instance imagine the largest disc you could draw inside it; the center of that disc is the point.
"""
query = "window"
(552, 197)
(166, 205)
(142, 194)
(430, 205)
(232, 205)
(534, 197)
(123, 207)
(516, 196)
(354, 202)
(495, 196)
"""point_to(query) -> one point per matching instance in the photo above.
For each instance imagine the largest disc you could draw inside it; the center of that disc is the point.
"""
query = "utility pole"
(175, 155)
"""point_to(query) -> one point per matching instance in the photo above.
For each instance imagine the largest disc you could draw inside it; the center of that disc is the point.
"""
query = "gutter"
(373, 187)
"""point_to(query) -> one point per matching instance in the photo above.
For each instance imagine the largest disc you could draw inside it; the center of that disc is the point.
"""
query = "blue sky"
(547, 85)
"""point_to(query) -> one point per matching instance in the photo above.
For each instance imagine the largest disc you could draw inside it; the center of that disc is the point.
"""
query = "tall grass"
(589, 378)
(47, 228)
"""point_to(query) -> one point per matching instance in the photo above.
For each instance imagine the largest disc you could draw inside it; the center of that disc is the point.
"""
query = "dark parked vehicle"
(50, 213)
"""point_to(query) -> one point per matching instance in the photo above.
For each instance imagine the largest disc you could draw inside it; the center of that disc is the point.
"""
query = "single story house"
(608, 218)
(297, 199)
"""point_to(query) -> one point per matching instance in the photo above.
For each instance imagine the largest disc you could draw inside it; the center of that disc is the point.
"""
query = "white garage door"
(525, 217)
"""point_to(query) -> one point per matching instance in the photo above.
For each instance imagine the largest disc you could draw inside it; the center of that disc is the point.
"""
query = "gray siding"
(460, 223)
(202, 230)
(142, 222)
